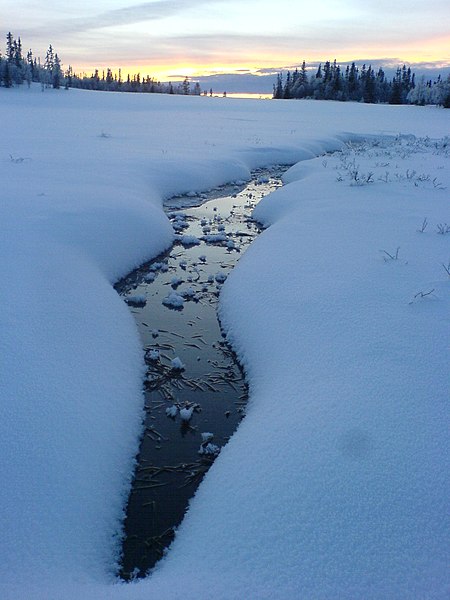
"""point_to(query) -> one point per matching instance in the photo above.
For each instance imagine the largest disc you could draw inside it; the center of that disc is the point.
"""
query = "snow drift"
(334, 485)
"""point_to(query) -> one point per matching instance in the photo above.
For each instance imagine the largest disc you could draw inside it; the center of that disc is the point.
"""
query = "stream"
(195, 392)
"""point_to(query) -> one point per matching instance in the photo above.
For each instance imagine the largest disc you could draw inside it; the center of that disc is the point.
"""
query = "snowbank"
(334, 484)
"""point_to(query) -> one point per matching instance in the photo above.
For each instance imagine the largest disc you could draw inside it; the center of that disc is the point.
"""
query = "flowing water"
(195, 392)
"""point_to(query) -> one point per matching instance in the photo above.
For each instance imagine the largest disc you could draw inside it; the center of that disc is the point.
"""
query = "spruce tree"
(7, 78)
(278, 88)
(56, 73)
(9, 48)
(369, 86)
(396, 89)
(18, 53)
(287, 87)
(353, 87)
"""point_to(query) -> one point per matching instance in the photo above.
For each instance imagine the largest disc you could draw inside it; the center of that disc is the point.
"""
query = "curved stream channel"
(195, 391)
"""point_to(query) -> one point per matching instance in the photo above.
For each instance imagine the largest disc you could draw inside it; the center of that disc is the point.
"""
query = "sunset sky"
(173, 38)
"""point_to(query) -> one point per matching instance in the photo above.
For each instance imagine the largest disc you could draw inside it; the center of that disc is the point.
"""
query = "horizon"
(173, 39)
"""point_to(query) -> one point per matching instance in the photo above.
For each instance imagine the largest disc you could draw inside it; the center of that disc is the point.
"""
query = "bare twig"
(443, 228)
(422, 295)
(391, 256)
(424, 225)
(447, 268)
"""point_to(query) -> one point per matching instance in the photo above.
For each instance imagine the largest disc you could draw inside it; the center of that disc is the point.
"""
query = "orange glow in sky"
(259, 56)
(171, 39)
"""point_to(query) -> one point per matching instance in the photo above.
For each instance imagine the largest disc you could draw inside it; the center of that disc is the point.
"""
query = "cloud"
(137, 13)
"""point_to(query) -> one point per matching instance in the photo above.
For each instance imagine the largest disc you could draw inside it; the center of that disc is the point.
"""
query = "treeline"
(332, 82)
(113, 82)
(17, 68)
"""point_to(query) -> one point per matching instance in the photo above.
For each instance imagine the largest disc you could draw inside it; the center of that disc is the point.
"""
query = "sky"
(169, 39)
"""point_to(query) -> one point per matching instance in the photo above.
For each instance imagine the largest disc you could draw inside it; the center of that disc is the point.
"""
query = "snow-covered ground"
(335, 485)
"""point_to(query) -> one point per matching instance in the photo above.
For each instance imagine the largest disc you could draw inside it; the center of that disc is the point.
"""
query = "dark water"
(204, 389)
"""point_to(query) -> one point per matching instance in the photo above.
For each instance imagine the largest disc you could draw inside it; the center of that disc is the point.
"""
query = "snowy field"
(336, 483)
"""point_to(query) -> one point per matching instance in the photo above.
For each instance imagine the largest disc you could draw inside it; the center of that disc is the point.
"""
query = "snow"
(172, 411)
(188, 240)
(188, 293)
(153, 354)
(335, 484)
(136, 299)
(173, 300)
(177, 364)
(149, 277)
(186, 413)
(214, 238)
(220, 277)
(209, 449)
(176, 281)
(157, 266)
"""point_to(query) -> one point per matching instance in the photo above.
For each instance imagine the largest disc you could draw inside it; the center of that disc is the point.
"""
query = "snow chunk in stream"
(176, 281)
(136, 300)
(209, 449)
(172, 411)
(188, 240)
(153, 355)
(149, 277)
(214, 238)
(186, 413)
(177, 364)
(190, 294)
(221, 277)
(173, 300)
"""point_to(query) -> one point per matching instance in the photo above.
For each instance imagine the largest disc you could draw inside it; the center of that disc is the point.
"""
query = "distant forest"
(17, 68)
(329, 82)
(332, 82)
